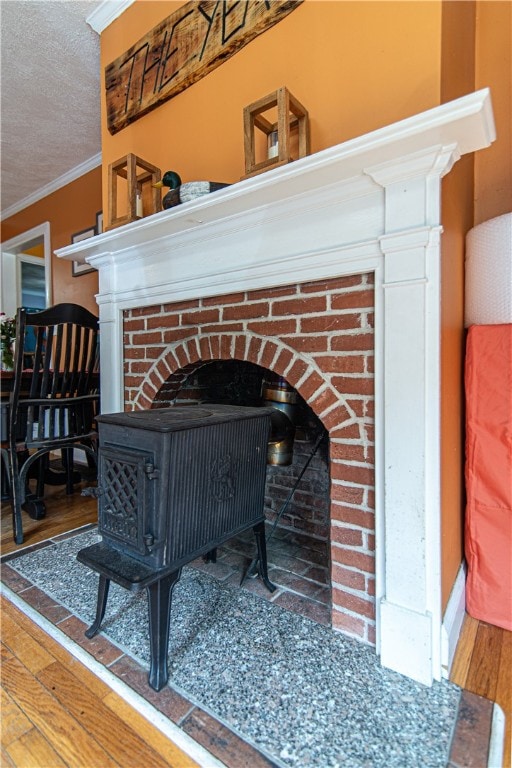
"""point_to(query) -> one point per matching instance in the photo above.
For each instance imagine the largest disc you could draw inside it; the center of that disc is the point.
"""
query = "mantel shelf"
(466, 124)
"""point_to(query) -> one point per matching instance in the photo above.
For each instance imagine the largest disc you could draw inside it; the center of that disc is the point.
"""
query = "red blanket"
(488, 380)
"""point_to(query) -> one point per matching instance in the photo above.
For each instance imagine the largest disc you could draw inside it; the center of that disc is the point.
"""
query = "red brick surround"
(319, 336)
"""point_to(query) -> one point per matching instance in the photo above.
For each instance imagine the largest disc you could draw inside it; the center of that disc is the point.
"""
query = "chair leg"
(42, 467)
(92, 463)
(6, 476)
(67, 462)
(17, 498)
(33, 503)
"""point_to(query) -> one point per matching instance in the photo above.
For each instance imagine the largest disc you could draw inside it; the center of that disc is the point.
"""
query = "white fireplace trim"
(369, 205)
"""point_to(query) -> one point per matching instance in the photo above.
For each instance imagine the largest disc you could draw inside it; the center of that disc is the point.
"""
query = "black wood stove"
(173, 484)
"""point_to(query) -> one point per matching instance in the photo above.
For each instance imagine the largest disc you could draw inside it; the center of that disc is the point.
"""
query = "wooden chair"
(52, 407)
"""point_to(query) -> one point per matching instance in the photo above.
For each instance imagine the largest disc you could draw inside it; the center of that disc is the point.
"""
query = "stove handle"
(151, 472)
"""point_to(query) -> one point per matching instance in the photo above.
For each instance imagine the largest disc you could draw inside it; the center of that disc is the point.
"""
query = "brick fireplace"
(319, 337)
(326, 272)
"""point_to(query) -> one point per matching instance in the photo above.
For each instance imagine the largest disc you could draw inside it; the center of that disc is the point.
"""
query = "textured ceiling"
(50, 93)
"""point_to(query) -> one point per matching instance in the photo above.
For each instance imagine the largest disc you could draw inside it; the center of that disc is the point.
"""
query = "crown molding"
(53, 186)
(106, 12)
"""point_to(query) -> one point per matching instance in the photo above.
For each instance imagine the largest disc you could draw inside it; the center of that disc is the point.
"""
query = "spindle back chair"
(53, 405)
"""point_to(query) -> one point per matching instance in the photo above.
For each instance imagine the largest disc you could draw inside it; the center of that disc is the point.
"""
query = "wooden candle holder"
(127, 168)
(290, 114)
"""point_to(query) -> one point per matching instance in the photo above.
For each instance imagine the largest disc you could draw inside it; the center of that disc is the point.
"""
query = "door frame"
(9, 265)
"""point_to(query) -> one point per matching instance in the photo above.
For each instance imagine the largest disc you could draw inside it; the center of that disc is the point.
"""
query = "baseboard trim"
(452, 621)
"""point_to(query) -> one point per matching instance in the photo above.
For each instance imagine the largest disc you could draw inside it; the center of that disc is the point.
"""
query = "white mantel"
(371, 204)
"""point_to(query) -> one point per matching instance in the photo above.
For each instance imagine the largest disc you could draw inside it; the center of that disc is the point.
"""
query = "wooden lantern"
(290, 114)
(137, 173)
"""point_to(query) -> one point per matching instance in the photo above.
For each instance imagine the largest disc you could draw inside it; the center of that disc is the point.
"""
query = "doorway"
(26, 271)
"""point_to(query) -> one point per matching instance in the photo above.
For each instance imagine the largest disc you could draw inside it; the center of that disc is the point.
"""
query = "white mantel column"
(410, 606)
(111, 336)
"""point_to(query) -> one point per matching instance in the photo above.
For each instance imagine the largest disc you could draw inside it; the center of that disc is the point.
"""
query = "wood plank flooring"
(63, 513)
(483, 665)
(74, 726)
(55, 712)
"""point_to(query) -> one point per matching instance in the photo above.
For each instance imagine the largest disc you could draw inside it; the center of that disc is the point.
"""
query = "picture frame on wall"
(77, 268)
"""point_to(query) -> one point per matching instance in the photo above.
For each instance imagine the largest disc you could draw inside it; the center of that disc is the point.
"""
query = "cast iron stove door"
(126, 481)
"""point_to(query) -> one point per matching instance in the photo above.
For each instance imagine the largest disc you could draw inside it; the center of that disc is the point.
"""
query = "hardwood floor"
(81, 711)
(483, 665)
(55, 712)
(64, 513)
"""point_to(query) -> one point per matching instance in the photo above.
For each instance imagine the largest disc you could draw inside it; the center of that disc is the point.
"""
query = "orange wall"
(356, 66)
(458, 78)
(477, 53)
(493, 168)
(70, 209)
(37, 250)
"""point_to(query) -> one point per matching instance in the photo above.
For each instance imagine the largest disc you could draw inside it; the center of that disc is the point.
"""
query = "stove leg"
(211, 556)
(259, 531)
(159, 603)
(103, 586)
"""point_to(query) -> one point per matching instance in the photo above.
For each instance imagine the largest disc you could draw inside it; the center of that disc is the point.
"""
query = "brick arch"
(175, 364)
(353, 527)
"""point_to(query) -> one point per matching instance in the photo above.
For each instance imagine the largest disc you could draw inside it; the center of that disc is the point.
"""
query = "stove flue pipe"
(282, 397)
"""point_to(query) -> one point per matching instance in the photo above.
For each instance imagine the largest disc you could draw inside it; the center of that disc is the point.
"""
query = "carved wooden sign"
(183, 48)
